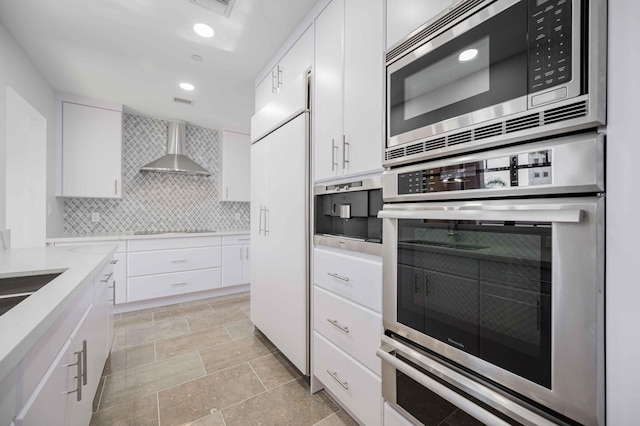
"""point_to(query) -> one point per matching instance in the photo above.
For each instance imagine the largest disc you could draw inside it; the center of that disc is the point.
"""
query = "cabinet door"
(236, 158)
(91, 151)
(297, 60)
(264, 91)
(120, 278)
(232, 265)
(328, 91)
(363, 83)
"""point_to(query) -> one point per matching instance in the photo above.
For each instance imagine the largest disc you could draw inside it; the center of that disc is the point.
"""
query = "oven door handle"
(443, 391)
(533, 215)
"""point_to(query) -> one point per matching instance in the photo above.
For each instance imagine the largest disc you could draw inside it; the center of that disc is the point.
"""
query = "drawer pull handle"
(337, 324)
(78, 376)
(340, 277)
(178, 284)
(337, 379)
(106, 280)
(244, 239)
(114, 261)
(179, 261)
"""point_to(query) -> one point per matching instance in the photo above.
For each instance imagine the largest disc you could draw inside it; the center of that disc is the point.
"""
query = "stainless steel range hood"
(175, 161)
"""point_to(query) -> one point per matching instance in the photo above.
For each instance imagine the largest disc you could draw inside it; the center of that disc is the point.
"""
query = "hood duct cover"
(175, 161)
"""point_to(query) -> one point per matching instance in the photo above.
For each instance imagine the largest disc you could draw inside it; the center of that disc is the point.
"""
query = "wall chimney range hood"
(174, 161)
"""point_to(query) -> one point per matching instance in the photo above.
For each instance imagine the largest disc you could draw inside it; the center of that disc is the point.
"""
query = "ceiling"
(136, 52)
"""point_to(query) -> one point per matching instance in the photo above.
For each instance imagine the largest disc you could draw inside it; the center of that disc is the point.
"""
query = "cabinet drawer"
(235, 239)
(355, 386)
(160, 262)
(153, 286)
(122, 244)
(353, 329)
(393, 418)
(147, 244)
(356, 278)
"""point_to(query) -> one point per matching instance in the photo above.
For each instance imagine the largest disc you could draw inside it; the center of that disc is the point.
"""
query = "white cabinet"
(90, 144)
(236, 159)
(404, 16)
(279, 209)
(164, 267)
(393, 418)
(347, 326)
(235, 260)
(348, 106)
(296, 61)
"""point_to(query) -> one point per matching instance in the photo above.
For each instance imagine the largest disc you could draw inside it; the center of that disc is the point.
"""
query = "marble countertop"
(22, 326)
(134, 236)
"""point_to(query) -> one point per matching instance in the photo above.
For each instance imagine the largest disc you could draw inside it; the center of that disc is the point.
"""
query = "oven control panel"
(523, 169)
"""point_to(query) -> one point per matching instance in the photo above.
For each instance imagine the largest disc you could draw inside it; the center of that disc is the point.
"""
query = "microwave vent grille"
(488, 131)
(522, 123)
(575, 110)
(435, 26)
(416, 148)
(395, 153)
(434, 144)
(458, 138)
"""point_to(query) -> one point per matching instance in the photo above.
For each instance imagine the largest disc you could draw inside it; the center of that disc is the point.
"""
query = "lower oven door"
(511, 290)
(431, 393)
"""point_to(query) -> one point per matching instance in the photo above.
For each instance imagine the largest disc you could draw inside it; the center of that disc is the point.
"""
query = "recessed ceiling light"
(468, 55)
(187, 86)
(197, 58)
(203, 30)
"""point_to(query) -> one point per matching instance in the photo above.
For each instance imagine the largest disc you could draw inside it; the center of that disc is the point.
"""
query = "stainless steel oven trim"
(594, 104)
(366, 184)
(574, 393)
(577, 167)
(351, 244)
(472, 387)
(471, 213)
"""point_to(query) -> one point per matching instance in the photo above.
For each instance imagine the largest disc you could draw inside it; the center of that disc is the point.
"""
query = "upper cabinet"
(348, 105)
(236, 162)
(404, 16)
(296, 61)
(90, 149)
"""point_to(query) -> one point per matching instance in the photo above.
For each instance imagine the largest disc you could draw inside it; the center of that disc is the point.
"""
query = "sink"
(14, 290)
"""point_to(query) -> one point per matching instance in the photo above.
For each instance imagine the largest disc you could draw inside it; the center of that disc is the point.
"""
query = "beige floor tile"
(150, 378)
(134, 336)
(290, 404)
(337, 419)
(192, 342)
(215, 319)
(195, 399)
(184, 312)
(227, 305)
(132, 357)
(126, 315)
(140, 411)
(214, 419)
(133, 321)
(274, 370)
(235, 352)
(240, 329)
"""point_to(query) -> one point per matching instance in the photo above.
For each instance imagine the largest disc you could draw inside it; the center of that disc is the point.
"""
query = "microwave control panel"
(549, 43)
(524, 169)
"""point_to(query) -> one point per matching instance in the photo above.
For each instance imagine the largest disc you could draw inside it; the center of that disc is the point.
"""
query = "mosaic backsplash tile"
(159, 201)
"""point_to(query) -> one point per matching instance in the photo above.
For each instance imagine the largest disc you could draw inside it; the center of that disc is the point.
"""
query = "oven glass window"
(481, 287)
(479, 68)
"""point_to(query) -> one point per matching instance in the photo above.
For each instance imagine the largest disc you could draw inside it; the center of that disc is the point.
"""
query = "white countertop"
(132, 236)
(22, 326)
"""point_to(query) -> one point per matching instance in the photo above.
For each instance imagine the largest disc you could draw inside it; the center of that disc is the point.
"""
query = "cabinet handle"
(115, 187)
(241, 252)
(114, 261)
(244, 239)
(226, 189)
(340, 277)
(279, 78)
(246, 256)
(260, 225)
(106, 280)
(266, 223)
(113, 287)
(178, 284)
(343, 383)
(180, 261)
(334, 150)
(337, 324)
(273, 85)
(345, 144)
(78, 376)
(84, 362)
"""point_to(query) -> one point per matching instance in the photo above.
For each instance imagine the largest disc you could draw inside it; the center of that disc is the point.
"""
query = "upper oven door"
(475, 71)
(511, 289)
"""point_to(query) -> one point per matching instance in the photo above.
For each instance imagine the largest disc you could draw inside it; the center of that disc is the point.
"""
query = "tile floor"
(203, 363)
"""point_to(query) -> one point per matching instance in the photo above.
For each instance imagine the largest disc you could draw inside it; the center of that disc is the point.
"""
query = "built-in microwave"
(495, 72)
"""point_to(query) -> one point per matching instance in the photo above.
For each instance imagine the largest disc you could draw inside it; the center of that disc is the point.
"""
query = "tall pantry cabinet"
(348, 104)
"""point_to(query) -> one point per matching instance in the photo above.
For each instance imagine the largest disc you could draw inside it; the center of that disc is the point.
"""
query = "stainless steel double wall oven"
(493, 217)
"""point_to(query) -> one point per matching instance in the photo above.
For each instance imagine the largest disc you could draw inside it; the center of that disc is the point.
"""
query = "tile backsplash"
(159, 201)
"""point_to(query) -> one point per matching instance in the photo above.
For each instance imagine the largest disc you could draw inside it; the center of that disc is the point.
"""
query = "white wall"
(623, 212)
(19, 73)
